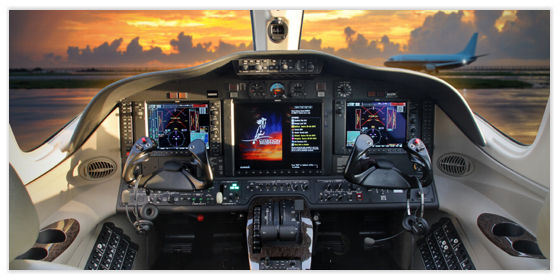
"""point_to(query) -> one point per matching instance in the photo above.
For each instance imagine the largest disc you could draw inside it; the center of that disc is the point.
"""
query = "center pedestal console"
(279, 234)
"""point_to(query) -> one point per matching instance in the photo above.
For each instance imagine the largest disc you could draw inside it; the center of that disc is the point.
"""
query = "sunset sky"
(186, 38)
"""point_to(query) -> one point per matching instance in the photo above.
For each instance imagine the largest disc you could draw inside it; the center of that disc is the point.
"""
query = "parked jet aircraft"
(435, 62)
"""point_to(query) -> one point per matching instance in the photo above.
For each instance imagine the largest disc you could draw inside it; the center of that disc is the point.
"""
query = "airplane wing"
(434, 66)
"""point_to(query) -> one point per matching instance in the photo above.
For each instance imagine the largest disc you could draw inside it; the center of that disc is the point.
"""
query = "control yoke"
(179, 174)
(419, 156)
(365, 170)
(137, 155)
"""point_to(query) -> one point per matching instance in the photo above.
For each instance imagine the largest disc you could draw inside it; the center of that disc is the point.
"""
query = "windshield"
(507, 82)
(55, 69)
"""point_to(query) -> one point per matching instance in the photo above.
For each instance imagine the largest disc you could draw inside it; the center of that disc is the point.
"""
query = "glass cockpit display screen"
(279, 136)
(385, 122)
(175, 125)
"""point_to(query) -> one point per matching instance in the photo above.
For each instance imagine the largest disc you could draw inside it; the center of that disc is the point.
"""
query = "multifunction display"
(385, 122)
(175, 125)
(277, 136)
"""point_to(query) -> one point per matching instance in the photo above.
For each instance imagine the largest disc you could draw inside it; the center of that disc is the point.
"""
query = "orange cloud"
(53, 31)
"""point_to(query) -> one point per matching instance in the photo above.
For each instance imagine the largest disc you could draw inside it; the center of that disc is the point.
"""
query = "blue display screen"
(385, 122)
(175, 125)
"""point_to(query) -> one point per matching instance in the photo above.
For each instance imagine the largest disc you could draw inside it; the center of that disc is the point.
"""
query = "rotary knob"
(219, 198)
(310, 67)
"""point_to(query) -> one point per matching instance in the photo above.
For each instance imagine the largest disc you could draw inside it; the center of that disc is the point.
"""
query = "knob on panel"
(219, 198)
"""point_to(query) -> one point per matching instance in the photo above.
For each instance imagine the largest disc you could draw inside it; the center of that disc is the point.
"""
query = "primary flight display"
(175, 125)
(385, 122)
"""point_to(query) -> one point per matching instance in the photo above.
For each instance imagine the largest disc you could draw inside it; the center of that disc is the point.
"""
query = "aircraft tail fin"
(471, 46)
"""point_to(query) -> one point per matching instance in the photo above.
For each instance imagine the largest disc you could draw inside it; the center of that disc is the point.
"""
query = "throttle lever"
(418, 154)
(137, 155)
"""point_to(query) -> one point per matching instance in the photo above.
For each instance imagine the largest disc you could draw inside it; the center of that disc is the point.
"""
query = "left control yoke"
(177, 174)
(138, 154)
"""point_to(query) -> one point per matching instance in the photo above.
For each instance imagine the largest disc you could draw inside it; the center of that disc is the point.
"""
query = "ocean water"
(515, 112)
(35, 114)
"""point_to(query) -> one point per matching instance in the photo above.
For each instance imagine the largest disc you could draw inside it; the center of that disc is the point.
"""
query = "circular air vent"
(98, 168)
(455, 165)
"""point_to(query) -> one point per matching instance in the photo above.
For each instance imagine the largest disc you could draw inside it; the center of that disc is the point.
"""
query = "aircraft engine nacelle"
(430, 67)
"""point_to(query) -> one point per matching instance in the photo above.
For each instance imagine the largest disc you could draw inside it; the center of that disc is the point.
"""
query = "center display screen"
(277, 136)
(175, 125)
(385, 122)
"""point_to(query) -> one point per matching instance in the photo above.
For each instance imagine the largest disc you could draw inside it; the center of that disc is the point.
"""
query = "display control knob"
(219, 197)
(284, 67)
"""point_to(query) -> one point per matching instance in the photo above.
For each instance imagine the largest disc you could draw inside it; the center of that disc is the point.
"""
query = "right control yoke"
(365, 170)
(419, 156)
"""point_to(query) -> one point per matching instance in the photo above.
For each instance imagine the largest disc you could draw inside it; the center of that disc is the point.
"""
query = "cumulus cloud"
(184, 51)
(390, 48)
(441, 33)
(357, 46)
(526, 37)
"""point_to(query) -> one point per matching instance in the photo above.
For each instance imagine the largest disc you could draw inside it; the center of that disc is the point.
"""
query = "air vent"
(98, 168)
(455, 165)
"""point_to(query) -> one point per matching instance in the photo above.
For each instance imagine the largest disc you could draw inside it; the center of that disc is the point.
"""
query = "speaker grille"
(455, 165)
(98, 168)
